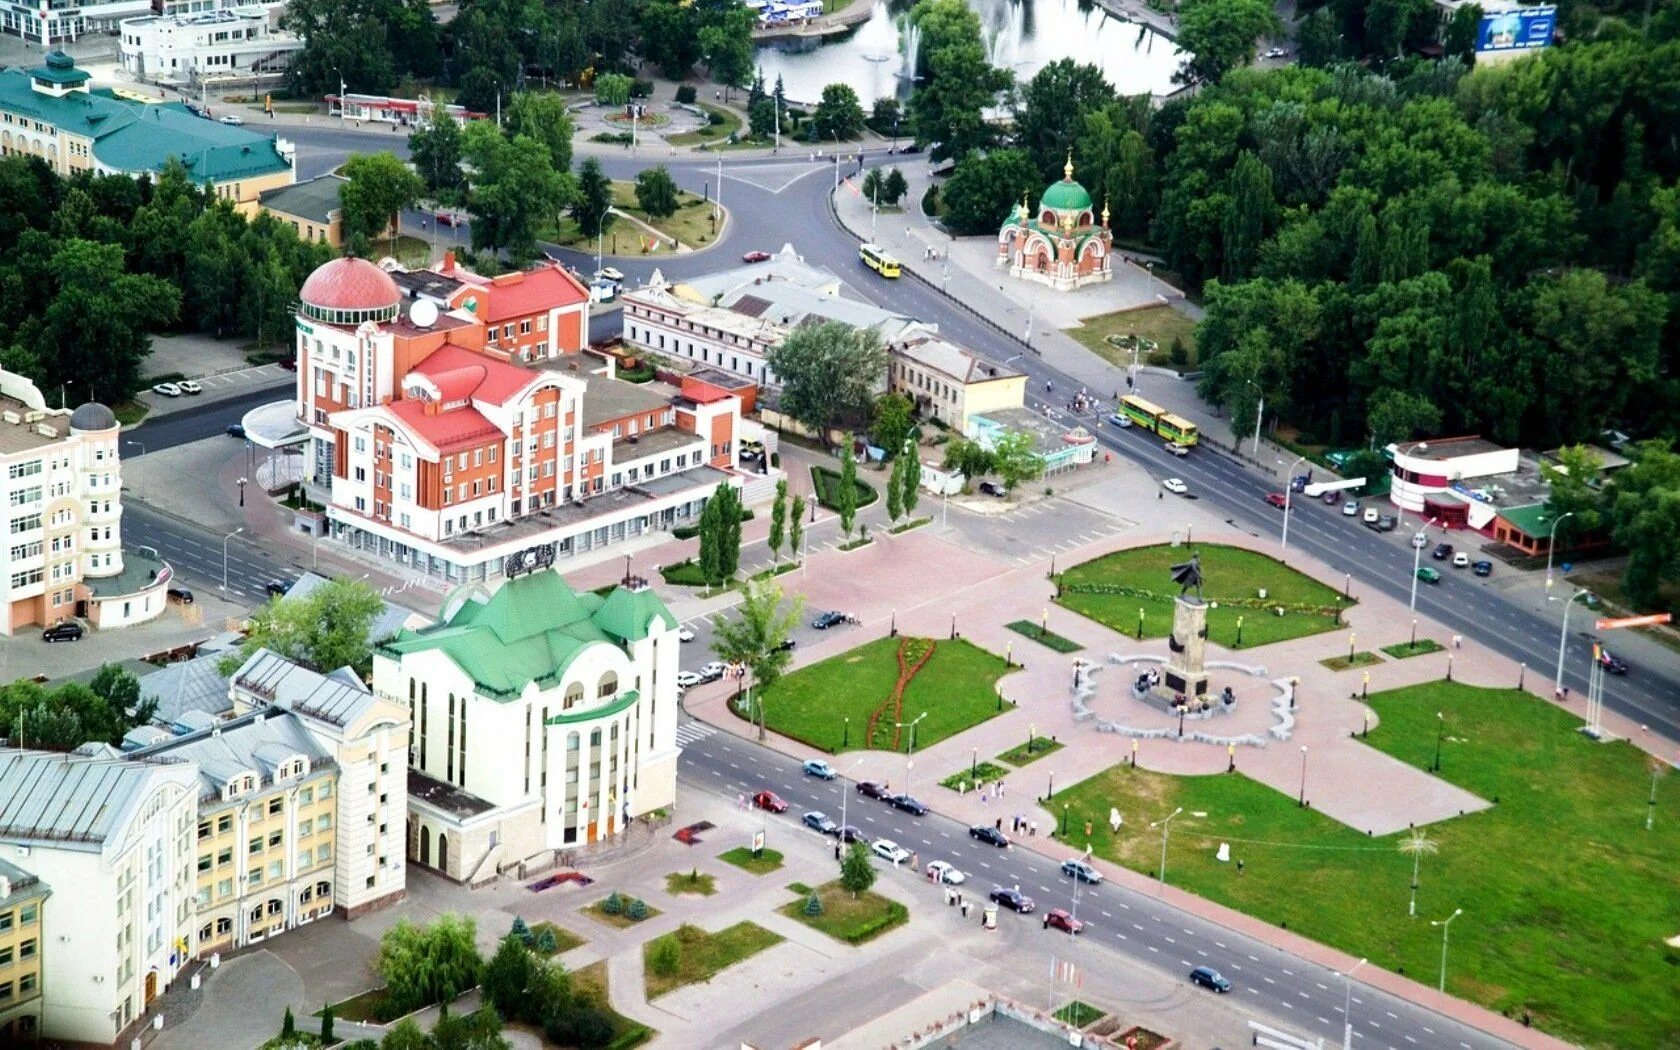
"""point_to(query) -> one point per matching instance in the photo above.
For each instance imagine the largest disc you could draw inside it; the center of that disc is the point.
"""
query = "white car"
(1371, 516)
(1175, 486)
(189, 387)
(713, 671)
(939, 871)
(688, 679)
(1350, 508)
(1276, 52)
(889, 850)
(1461, 560)
(685, 634)
(167, 389)
(1123, 422)
(1420, 540)
(1177, 449)
(611, 273)
(234, 119)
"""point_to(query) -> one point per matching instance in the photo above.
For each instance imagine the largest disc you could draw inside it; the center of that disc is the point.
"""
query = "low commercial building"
(544, 719)
(61, 482)
(230, 43)
(50, 112)
(1505, 29)
(311, 207)
(405, 112)
(23, 940)
(1434, 478)
(949, 383)
(1058, 447)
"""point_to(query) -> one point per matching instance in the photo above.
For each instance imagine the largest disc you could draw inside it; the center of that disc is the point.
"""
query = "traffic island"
(1405, 650)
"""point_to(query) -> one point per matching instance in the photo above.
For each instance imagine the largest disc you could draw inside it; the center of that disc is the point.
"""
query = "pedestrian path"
(694, 732)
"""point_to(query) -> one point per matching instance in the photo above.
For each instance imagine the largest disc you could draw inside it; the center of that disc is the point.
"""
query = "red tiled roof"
(348, 283)
(522, 294)
(445, 430)
(459, 373)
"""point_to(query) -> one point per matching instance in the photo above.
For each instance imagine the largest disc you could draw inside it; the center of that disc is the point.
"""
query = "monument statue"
(1188, 574)
(1186, 675)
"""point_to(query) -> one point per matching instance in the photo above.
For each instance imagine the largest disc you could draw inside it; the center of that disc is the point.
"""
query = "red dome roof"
(349, 283)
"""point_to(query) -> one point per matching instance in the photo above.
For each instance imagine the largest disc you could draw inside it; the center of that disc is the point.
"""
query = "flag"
(1066, 972)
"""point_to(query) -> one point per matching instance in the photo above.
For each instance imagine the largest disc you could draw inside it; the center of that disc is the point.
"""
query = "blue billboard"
(1517, 30)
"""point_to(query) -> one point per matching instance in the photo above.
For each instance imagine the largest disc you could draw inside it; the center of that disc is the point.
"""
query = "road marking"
(1428, 1029)
(1287, 1003)
(1324, 1020)
(1154, 949)
(1407, 1037)
(1219, 944)
(1286, 971)
(1323, 986)
(1201, 953)
(1120, 935)
(1135, 926)
(1105, 915)
(1268, 980)
(1253, 959)
(1392, 1014)
(1171, 941)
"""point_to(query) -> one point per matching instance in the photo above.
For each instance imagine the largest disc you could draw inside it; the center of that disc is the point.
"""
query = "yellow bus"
(876, 258)
(1157, 420)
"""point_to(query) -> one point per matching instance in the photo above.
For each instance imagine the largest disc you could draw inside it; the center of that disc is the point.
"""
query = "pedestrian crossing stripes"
(694, 732)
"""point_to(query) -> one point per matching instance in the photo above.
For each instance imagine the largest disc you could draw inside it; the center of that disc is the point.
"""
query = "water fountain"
(912, 51)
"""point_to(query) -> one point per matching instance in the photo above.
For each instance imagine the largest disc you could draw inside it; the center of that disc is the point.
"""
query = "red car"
(874, 789)
(446, 218)
(1061, 920)
(771, 801)
(756, 257)
(1278, 500)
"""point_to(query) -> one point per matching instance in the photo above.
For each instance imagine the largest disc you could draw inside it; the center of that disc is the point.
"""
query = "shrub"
(641, 89)
(713, 118)
(288, 1026)
(665, 957)
(327, 1024)
(522, 931)
(613, 905)
(813, 905)
(685, 94)
(584, 1026)
(1179, 354)
(546, 942)
(686, 532)
(637, 909)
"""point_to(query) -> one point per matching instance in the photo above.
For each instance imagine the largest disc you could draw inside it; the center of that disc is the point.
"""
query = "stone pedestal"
(1185, 672)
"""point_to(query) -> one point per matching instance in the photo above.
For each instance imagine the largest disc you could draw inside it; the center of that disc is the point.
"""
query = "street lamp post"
(1446, 928)
(1563, 639)
(1551, 546)
(600, 231)
(1347, 1006)
(1288, 491)
(1259, 414)
(225, 540)
(1418, 541)
(1440, 732)
(242, 483)
(1166, 826)
(844, 794)
(1303, 776)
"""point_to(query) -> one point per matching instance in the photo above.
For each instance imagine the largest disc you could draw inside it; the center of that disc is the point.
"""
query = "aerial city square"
(869, 524)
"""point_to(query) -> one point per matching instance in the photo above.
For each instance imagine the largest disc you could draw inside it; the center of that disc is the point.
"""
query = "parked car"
(1177, 449)
(819, 822)
(713, 671)
(755, 257)
(1014, 900)
(939, 871)
(448, 218)
(1420, 540)
(783, 646)
(816, 767)
(771, 801)
(1276, 52)
(166, 389)
(1461, 560)
(1429, 575)
(181, 594)
(828, 619)
(602, 292)
(1278, 500)
(908, 804)
(1482, 568)
(289, 364)
(67, 631)
(989, 835)
(874, 789)
(611, 273)
(1060, 919)
(1081, 871)
(992, 488)
(1331, 498)
(1175, 486)
(688, 679)
(233, 119)
(1371, 516)
(849, 833)
(1611, 664)
(188, 386)
(1208, 977)
(889, 851)
(236, 430)
(1350, 508)
(1386, 523)
(276, 588)
(1442, 551)
(1123, 422)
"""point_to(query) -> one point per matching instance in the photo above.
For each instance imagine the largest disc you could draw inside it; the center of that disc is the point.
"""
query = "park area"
(1567, 898)
(855, 700)
(1110, 336)
(690, 224)
(1113, 588)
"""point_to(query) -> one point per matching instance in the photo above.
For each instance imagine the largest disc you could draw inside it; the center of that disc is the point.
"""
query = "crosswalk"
(694, 732)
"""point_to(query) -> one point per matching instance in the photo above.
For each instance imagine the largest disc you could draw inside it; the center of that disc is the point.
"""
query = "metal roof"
(256, 743)
(54, 798)
(336, 699)
(187, 687)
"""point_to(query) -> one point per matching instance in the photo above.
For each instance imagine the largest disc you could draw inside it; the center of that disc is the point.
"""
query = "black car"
(68, 631)
(819, 822)
(1482, 568)
(828, 619)
(1014, 900)
(850, 833)
(277, 588)
(908, 805)
(1386, 523)
(181, 594)
(236, 430)
(992, 488)
(988, 834)
(1442, 551)
(787, 644)
(1208, 977)
(1611, 664)
(874, 789)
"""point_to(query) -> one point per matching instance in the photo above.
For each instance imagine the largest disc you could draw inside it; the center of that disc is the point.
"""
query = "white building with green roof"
(543, 719)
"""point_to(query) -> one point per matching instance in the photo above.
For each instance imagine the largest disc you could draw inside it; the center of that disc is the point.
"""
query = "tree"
(1572, 490)
(727, 47)
(117, 686)
(507, 975)
(845, 491)
(884, 115)
(590, 208)
(542, 117)
(982, 190)
(425, 965)
(857, 871)
(521, 930)
(949, 106)
(405, 1035)
(288, 1026)
(895, 492)
(1219, 35)
(891, 424)
(656, 192)
(1462, 31)
(326, 629)
(1396, 415)
(796, 526)
(547, 943)
(761, 119)
(1014, 461)
(828, 372)
(327, 1024)
(1249, 214)
(1645, 510)
(838, 113)
(1051, 112)
(778, 521)
(380, 186)
(894, 187)
(969, 458)
(93, 332)
(664, 956)
(613, 89)
(911, 485)
(479, 1030)
(756, 638)
(710, 559)
(1319, 44)
(720, 535)
(1417, 844)
(343, 40)
(638, 910)
(515, 190)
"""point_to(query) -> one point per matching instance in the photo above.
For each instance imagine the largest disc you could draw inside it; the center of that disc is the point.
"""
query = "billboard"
(1520, 29)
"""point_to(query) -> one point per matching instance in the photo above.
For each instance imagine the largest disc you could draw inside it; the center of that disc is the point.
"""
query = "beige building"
(311, 207)
(949, 383)
(23, 937)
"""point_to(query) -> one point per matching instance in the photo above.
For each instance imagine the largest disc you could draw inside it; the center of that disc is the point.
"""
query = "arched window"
(425, 845)
(608, 686)
(443, 853)
(574, 695)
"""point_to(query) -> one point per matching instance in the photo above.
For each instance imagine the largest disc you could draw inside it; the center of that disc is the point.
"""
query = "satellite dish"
(424, 313)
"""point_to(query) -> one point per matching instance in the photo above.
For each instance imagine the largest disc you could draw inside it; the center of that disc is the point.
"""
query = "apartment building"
(528, 315)
(544, 718)
(23, 940)
(949, 383)
(61, 494)
(231, 43)
(49, 23)
(432, 447)
(115, 836)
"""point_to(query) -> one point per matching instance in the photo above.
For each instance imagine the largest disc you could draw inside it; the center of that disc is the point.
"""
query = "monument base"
(1177, 681)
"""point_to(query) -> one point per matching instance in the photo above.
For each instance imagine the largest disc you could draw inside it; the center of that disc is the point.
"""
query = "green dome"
(1066, 195)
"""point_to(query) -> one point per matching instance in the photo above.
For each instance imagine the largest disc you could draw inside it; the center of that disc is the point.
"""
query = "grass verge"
(1420, 647)
(1079, 1014)
(973, 777)
(906, 526)
(851, 920)
(826, 484)
(1048, 639)
(700, 956)
(1023, 754)
(1157, 324)
(590, 985)
(696, 883)
(564, 940)
(763, 863)
(710, 134)
(622, 920)
(1358, 659)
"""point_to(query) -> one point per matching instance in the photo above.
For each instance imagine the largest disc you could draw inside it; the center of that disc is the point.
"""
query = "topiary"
(613, 905)
(637, 910)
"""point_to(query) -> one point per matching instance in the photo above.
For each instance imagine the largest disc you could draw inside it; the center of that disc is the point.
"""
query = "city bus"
(877, 258)
(1152, 417)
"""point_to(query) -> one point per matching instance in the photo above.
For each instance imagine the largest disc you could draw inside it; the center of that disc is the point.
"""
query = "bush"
(584, 1026)
(288, 1026)
(637, 910)
(714, 118)
(613, 905)
(686, 532)
(546, 942)
(641, 89)
(813, 905)
(666, 957)
(685, 94)
(776, 460)
(1179, 354)
(522, 931)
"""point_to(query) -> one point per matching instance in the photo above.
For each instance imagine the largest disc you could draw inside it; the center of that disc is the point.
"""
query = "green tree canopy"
(437, 150)
(656, 191)
(1220, 35)
(755, 637)
(958, 86)
(1050, 115)
(542, 116)
(839, 114)
(325, 629)
(593, 199)
(380, 186)
(422, 965)
(515, 190)
(829, 373)
(983, 189)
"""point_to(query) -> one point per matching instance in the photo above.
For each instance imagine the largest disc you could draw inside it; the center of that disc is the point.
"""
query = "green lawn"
(1079, 1014)
(1348, 662)
(590, 985)
(705, 955)
(826, 484)
(975, 775)
(1160, 324)
(695, 882)
(1023, 753)
(853, 920)
(710, 133)
(564, 940)
(368, 1006)
(764, 863)
(1566, 897)
(622, 920)
(957, 688)
(1048, 639)
(690, 224)
(1420, 647)
(1111, 589)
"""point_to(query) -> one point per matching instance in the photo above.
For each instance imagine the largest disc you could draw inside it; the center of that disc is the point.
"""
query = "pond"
(1022, 36)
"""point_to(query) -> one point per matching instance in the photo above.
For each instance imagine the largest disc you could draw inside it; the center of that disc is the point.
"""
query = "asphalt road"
(198, 555)
(194, 424)
(1300, 997)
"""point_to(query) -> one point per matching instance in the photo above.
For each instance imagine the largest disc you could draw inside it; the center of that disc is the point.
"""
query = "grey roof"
(791, 305)
(254, 743)
(143, 736)
(315, 199)
(391, 618)
(338, 699)
(456, 802)
(191, 686)
(609, 399)
(785, 267)
(93, 416)
(26, 885)
(69, 799)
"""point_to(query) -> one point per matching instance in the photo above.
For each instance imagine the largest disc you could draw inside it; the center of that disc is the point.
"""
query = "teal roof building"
(51, 113)
(1061, 244)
